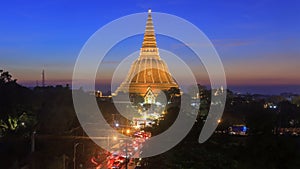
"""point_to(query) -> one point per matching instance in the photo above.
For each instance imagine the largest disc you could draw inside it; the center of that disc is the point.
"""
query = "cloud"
(111, 62)
(217, 43)
(232, 42)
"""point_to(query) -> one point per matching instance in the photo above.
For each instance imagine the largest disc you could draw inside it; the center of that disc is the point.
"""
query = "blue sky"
(258, 41)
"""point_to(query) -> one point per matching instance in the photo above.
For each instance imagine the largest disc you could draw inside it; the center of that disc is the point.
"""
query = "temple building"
(149, 71)
(149, 97)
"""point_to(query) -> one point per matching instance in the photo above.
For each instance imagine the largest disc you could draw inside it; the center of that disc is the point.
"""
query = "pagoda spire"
(148, 70)
(149, 36)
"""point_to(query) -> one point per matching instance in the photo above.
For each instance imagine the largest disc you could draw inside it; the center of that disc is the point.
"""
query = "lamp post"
(33, 141)
(108, 144)
(126, 160)
(74, 154)
(126, 151)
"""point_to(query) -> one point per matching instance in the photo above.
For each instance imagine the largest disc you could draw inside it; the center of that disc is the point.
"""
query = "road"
(118, 154)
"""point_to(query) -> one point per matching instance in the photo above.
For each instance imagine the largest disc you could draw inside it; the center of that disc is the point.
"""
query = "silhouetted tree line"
(260, 149)
(49, 111)
(41, 110)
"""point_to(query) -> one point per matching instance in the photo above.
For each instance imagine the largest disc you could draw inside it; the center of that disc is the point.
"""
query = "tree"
(56, 114)
(14, 101)
(296, 100)
(6, 77)
(162, 97)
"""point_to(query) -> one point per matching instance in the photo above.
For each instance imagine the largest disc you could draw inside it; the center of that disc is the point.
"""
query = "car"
(138, 164)
(121, 159)
(116, 165)
(131, 162)
(113, 156)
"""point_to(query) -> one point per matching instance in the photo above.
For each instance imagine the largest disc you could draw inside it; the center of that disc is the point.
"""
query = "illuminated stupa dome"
(149, 70)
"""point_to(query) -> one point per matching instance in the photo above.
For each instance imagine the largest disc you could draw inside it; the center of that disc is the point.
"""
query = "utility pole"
(43, 78)
(126, 159)
(108, 144)
(74, 154)
(65, 158)
(33, 141)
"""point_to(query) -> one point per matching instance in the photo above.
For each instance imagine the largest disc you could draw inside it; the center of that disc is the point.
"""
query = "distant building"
(240, 130)
(98, 93)
(288, 96)
(270, 105)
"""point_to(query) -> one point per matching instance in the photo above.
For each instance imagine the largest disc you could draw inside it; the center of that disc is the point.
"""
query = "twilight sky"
(257, 40)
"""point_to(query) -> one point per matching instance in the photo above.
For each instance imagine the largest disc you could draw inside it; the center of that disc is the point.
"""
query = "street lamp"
(114, 138)
(128, 131)
(126, 158)
(74, 153)
(33, 141)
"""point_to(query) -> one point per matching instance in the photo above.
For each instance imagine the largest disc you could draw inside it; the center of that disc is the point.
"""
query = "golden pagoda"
(149, 70)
